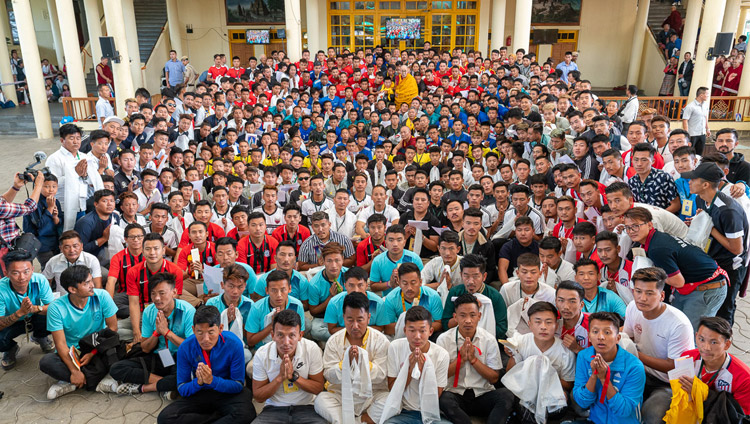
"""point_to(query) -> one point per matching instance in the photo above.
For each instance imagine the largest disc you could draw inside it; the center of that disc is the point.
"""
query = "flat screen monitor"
(258, 36)
(281, 33)
(403, 29)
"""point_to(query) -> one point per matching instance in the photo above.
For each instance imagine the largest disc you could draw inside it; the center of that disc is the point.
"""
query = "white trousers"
(328, 406)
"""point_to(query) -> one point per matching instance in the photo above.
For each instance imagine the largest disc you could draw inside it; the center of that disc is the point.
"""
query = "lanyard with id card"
(167, 360)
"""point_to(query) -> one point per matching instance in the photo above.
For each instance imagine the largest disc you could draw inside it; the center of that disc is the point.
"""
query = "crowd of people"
(386, 236)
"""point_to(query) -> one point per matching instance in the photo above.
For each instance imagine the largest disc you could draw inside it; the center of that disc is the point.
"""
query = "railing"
(82, 109)
(720, 108)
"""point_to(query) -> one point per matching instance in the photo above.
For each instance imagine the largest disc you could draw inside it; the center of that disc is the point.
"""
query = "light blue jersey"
(252, 279)
(76, 323)
(605, 301)
(382, 267)
(319, 288)
(335, 310)
(38, 292)
(299, 286)
(261, 308)
(395, 304)
(180, 323)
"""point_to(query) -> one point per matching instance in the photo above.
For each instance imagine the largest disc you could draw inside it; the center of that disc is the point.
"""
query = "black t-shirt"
(730, 220)
(432, 221)
(513, 249)
(674, 256)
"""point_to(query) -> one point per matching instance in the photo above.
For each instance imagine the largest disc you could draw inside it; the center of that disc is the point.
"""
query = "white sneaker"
(170, 395)
(128, 389)
(59, 389)
(107, 385)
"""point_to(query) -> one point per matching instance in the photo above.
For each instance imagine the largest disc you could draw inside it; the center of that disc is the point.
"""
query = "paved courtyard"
(25, 387)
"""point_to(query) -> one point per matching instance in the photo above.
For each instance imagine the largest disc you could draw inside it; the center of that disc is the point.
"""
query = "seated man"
(584, 240)
(382, 272)
(121, 262)
(355, 281)
(573, 325)
(210, 375)
(522, 242)
(474, 274)
(309, 252)
(258, 326)
(226, 256)
(94, 226)
(232, 304)
(257, 249)
(71, 253)
(434, 274)
(167, 322)
(324, 286)
(555, 269)
(140, 275)
(414, 400)
(287, 374)
(609, 380)
(541, 341)
(369, 248)
(24, 298)
(714, 365)
(527, 285)
(596, 299)
(475, 366)
(409, 293)
(352, 347)
(192, 266)
(615, 274)
(84, 310)
(661, 333)
(286, 260)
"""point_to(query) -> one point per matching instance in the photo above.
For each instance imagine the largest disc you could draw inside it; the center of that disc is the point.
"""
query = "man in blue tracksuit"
(613, 393)
(210, 375)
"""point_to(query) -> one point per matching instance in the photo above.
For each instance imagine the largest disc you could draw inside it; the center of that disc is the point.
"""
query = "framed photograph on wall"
(556, 12)
(254, 12)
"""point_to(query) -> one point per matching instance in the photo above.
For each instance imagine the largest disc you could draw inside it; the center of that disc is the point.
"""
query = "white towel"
(428, 392)
(400, 324)
(487, 321)
(355, 384)
(535, 382)
(237, 327)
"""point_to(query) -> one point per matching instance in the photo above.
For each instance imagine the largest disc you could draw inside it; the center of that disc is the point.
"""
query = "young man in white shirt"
(527, 285)
(287, 374)
(342, 219)
(475, 366)
(661, 333)
(413, 396)
(350, 348)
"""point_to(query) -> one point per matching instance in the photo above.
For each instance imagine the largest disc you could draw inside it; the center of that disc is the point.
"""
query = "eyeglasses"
(303, 178)
(633, 228)
(172, 104)
(136, 237)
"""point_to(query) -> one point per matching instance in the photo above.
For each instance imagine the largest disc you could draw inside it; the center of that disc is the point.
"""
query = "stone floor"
(26, 387)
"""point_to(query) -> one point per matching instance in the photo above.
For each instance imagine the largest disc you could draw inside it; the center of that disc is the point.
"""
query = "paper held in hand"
(196, 255)
(212, 278)
(682, 367)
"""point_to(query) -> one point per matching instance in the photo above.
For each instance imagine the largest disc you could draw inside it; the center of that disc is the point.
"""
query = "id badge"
(166, 358)
(687, 207)
(289, 387)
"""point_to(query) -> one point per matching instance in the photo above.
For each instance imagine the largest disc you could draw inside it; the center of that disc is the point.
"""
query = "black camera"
(30, 173)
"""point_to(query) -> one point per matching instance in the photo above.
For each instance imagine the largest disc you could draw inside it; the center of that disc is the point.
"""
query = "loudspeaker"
(723, 43)
(540, 36)
(551, 36)
(108, 48)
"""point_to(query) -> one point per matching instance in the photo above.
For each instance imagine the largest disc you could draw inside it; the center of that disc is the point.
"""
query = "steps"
(150, 18)
(658, 12)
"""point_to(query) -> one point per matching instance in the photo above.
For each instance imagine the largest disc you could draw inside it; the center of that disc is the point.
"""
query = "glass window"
(360, 5)
(442, 5)
(390, 5)
(364, 31)
(340, 5)
(441, 31)
(466, 5)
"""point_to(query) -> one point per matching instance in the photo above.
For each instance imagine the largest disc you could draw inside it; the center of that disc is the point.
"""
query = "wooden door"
(275, 46)
(559, 49)
(243, 50)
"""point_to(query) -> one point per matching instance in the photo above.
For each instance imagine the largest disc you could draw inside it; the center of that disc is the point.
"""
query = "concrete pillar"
(293, 30)
(313, 35)
(690, 27)
(741, 23)
(713, 14)
(522, 26)
(54, 24)
(34, 77)
(498, 25)
(94, 24)
(175, 27)
(639, 33)
(6, 74)
(72, 49)
(122, 75)
(744, 88)
(323, 24)
(128, 13)
(483, 31)
(731, 16)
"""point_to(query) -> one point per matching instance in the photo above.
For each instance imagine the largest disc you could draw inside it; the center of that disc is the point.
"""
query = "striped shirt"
(311, 248)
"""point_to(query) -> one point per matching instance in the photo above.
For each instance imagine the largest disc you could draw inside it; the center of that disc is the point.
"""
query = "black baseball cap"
(708, 171)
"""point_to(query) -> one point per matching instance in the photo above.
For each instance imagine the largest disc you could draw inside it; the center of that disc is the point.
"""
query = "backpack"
(109, 350)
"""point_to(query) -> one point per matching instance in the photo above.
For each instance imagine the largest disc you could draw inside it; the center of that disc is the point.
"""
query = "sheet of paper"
(682, 367)
(439, 230)
(197, 185)
(195, 254)
(212, 278)
(419, 225)
(166, 358)
(254, 188)
(566, 159)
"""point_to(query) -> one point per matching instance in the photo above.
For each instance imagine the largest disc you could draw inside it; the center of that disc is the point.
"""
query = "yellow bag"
(683, 410)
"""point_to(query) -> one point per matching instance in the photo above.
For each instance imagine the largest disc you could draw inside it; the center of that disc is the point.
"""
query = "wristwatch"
(295, 376)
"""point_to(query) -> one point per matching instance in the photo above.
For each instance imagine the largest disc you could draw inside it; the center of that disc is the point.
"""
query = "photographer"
(9, 211)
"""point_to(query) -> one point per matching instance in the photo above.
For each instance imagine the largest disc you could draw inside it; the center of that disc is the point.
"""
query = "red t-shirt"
(561, 232)
(119, 266)
(281, 234)
(365, 250)
(208, 256)
(138, 277)
(733, 377)
(215, 232)
(235, 73)
(594, 256)
(214, 72)
(580, 331)
(260, 258)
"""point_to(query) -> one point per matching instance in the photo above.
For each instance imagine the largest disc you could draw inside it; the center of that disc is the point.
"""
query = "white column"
(483, 30)
(175, 27)
(639, 33)
(713, 14)
(313, 38)
(690, 26)
(54, 24)
(123, 77)
(293, 30)
(6, 74)
(744, 88)
(94, 24)
(522, 25)
(741, 23)
(498, 25)
(72, 49)
(731, 16)
(323, 23)
(128, 13)
(34, 77)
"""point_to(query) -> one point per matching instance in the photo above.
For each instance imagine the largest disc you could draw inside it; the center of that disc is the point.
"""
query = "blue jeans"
(319, 330)
(410, 417)
(38, 330)
(700, 303)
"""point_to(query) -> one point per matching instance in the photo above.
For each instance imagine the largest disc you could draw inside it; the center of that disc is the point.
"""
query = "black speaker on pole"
(108, 49)
(723, 43)
(551, 36)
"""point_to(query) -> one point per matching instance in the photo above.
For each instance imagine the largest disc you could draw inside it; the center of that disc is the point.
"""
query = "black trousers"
(38, 330)
(698, 142)
(729, 306)
(209, 406)
(137, 371)
(492, 405)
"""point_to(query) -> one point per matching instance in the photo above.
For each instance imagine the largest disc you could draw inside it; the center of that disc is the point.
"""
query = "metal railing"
(720, 108)
(82, 109)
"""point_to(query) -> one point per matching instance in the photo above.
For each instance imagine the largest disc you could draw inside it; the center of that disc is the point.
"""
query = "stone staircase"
(658, 12)
(150, 16)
